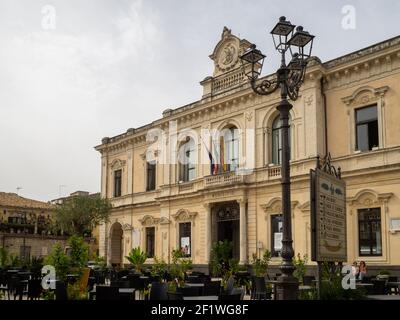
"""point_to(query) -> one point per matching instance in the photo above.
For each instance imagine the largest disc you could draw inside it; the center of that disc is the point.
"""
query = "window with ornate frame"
(366, 96)
(150, 176)
(276, 234)
(276, 145)
(117, 183)
(150, 241)
(367, 133)
(185, 238)
(187, 161)
(370, 232)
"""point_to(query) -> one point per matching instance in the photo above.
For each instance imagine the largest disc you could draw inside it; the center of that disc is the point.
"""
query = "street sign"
(328, 216)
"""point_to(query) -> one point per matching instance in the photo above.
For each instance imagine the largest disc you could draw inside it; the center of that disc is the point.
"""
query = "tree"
(78, 252)
(81, 214)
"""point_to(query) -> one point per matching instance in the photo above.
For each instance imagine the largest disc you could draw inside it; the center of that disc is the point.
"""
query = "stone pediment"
(365, 95)
(184, 215)
(226, 54)
(149, 220)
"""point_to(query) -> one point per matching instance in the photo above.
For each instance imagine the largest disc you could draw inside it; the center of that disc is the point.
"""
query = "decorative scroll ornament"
(227, 212)
(327, 166)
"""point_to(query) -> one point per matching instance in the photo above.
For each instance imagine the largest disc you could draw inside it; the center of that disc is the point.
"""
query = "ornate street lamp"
(297, 44)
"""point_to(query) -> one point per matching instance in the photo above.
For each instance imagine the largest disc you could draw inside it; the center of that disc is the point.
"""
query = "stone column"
(243, 232)
(207, 247)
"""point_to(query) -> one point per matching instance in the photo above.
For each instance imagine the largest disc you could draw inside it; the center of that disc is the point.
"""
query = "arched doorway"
(116, 244)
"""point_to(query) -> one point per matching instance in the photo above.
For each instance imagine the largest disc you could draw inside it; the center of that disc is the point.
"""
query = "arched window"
(187, 161)
(277, 140)
(229, 148)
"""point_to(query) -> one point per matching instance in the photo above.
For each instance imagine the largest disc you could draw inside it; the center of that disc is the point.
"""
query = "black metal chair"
(212, 288)
(190, 291)
(120, 283)
(194, 279)
(229, 285)
(379, 286)
(61, 291)
(308, 280)
(34, 289)
(174, 295)
(366, 279)
(259, 289)
(232, 296)
(107, 293)
(158, 291)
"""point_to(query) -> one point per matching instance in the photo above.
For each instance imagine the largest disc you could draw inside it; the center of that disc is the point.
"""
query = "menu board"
(328, 217)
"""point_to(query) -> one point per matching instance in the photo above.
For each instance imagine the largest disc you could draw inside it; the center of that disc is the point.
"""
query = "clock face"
(228, 57)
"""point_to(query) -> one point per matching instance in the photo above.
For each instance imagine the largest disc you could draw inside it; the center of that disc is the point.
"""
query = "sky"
(73, 71)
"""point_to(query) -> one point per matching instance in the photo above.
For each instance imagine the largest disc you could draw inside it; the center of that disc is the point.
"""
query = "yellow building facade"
(230, 187)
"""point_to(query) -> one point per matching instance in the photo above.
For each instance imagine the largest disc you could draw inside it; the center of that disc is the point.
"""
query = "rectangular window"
(276, 235)
(185, 238)
(369, 230)
(151, 176)
(150, 241)
(117, 183)
(367, 128)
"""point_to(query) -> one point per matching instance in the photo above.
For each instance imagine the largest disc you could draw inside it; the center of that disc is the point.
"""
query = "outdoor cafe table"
(383, 297)
(395, 285)
(122, 292)
(194, 285)
(201, 298)
(360, 284)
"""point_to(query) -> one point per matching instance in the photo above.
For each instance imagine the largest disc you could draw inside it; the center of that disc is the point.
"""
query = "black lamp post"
(288, 79)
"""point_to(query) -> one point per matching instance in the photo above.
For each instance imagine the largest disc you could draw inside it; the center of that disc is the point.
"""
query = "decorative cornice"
(117, 164)
(369, 197)
(148, 220)
(164, 221)
(275, 206)
(184, 215)
(365, 95)
(362, 53)
(305, 207)
(127, 227)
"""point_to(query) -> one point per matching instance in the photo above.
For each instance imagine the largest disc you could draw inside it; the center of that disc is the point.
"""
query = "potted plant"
(180, 266)
(383, 274)
(260, 267)
(137, 258)
(220, 255)
(301, 268)
(159, 269)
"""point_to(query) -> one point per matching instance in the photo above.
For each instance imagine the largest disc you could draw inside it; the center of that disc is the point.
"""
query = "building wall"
(331, 90)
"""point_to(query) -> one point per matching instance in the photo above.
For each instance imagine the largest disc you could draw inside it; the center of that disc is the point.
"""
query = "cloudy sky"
(73, 71)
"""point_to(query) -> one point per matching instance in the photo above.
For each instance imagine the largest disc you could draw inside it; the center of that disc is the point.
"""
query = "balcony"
(274, 172)
(227, 81)
(223, 179)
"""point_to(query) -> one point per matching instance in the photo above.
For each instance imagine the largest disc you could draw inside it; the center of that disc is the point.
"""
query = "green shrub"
(301, 267)
(59, 260)
(219, 259)
(260, 266)
(3, 257)
(79, 252)
(137, 258)
(180, 265)
(159, 268)
(75, 292)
